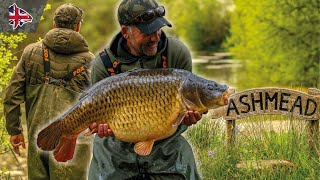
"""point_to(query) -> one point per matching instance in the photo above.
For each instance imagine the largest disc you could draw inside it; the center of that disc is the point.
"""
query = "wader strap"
(164, 58)
(46, 63)
(112, 68)
(74, 73)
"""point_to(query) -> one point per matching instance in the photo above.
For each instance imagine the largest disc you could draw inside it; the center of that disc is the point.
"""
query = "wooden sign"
(270, 101)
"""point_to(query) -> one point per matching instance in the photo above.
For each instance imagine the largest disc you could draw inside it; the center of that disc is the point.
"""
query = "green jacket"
(171, 158)
(66, 54)
(178, 56)
(68, 50)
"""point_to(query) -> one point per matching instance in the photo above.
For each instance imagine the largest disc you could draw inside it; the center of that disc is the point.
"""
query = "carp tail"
(65, 149)
(49, 137)
(52, 138)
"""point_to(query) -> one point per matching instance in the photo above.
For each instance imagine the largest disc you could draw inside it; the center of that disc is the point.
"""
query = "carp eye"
(210, 87)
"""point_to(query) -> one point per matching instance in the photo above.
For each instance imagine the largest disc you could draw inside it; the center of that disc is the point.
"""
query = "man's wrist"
(13, 132)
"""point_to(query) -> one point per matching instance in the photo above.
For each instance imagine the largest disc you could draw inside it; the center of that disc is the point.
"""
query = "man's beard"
(148, 51)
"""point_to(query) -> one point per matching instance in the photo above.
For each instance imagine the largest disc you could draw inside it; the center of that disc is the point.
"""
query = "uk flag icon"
(18, 16)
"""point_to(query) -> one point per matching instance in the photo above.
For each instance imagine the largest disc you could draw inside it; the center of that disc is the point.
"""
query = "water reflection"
(218, 68)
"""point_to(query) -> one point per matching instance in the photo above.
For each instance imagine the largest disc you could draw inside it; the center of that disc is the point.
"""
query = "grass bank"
(257, 138)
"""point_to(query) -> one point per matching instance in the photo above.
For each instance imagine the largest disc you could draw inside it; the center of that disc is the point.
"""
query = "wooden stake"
(230, 133)
(313, 130)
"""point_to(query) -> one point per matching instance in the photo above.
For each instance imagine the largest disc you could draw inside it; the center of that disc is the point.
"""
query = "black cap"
(129, 9)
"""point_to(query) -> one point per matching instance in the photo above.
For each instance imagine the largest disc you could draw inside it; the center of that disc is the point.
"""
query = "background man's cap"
(67, 14)
(129, 9)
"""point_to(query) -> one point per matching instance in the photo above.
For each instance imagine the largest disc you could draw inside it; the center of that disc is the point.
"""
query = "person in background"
(49, 78)
(141, 43)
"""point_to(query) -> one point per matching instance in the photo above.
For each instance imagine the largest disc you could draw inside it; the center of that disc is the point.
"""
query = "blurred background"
(242, 43)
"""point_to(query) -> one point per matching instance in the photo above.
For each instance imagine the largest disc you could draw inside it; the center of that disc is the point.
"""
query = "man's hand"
(17, 141)
(101, 129)
(192, 117)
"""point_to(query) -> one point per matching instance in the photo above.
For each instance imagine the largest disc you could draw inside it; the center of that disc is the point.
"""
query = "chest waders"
(44, 102)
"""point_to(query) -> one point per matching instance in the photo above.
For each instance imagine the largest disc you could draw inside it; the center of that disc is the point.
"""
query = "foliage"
(278, 42)
(8, 42)
(46, 8)
(203, 24)
(3, 133)
(3, 175)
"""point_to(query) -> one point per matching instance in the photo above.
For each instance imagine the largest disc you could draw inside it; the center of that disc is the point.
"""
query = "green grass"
(256, 139)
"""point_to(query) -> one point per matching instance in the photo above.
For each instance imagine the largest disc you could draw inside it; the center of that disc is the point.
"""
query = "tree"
(203, 24)
(278, 41)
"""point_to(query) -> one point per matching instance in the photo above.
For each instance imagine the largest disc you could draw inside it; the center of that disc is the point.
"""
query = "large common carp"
(140, 106)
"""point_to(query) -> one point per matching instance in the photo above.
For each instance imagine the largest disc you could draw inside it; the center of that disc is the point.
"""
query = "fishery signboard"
(262, 101)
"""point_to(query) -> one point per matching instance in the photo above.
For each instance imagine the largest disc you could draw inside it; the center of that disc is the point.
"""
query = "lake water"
(218, 67)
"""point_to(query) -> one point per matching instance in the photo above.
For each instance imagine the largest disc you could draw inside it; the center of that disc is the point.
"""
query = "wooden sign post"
(230, 133)
(313, 129)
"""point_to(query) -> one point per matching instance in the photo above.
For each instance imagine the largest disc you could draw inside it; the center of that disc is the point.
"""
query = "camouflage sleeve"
(15, 96)
(98, 70)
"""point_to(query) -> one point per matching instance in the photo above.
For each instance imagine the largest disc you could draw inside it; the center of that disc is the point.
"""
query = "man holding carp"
(142, 44)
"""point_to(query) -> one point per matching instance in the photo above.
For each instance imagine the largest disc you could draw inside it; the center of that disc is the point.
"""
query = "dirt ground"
(13, 165)
(14, 168)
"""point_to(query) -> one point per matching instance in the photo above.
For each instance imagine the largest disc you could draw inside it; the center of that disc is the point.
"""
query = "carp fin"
(180, 118)
(49, 137)
(90, 132)
(188, 103)
(192, 106)
(144, 148)
(65, 149)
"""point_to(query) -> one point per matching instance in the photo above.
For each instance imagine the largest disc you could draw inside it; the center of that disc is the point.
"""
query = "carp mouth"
(218, 101)
(227, 94)
(224, 98)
